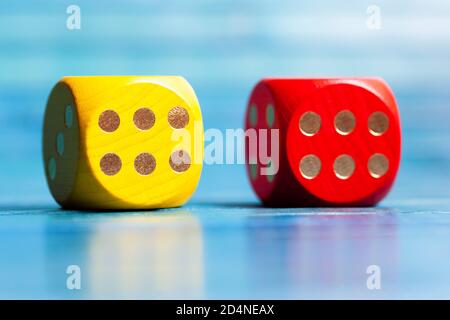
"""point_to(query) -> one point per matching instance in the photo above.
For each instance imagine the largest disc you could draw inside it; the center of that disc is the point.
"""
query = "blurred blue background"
(223, 48)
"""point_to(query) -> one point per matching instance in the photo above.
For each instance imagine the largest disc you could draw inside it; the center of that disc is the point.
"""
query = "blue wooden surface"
(222, 244)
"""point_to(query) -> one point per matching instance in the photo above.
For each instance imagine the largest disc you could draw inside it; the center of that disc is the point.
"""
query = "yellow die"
(122, 142)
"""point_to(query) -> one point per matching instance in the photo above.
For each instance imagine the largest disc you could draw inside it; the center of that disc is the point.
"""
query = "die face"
(61, 142)
(140, 142)
(133, 149)
(261, 118)
(343, 144)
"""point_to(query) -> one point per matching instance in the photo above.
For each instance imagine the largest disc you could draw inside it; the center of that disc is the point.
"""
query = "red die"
(339, 141)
